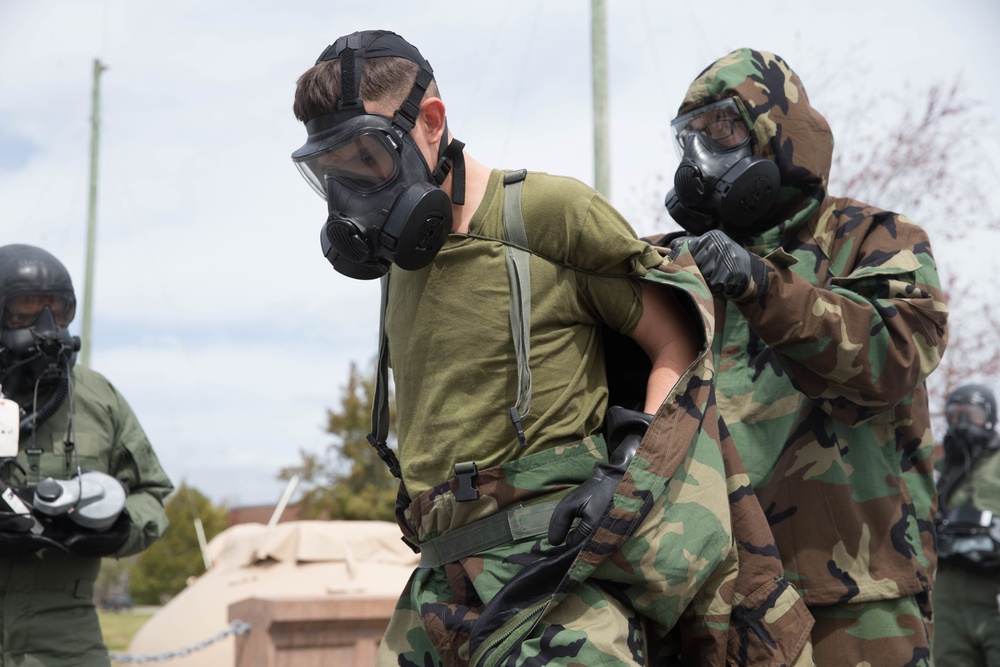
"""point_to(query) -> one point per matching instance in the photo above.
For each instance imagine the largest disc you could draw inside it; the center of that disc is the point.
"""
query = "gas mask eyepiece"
(719, 182)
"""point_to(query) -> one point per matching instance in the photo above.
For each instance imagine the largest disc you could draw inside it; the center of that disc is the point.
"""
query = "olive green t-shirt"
(450, 343)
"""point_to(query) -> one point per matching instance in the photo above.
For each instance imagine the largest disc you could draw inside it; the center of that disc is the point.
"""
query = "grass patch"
(119, 627)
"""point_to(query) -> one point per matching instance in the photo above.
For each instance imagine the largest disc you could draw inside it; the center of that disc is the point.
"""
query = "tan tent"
(298, 558)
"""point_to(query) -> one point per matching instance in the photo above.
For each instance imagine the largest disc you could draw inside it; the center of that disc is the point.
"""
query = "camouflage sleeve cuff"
(757, 285)
(651, 258)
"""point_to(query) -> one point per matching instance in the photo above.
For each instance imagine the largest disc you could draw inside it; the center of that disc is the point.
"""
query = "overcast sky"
(215, 313)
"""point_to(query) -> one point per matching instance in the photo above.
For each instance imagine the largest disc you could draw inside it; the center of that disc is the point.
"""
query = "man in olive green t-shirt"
(498, 290)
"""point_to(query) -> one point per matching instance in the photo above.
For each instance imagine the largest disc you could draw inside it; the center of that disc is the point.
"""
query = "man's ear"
(432, 120)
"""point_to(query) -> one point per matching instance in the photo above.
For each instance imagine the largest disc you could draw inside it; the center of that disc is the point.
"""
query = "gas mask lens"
(23, 310)
(720, 124)
(966, 413)
(364, 162)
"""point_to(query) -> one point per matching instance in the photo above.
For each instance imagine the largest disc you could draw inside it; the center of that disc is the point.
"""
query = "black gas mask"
(970, 411)
(384, 203)
(39, 351)
(37, 305)
(719, 182)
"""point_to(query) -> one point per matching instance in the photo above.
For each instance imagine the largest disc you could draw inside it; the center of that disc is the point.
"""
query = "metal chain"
(236, 628)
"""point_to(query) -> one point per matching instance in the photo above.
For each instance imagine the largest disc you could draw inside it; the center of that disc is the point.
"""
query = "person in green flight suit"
(71, 423)
(830, 317)
(967, 591)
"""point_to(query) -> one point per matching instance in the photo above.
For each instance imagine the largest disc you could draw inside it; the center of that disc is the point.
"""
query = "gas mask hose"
(31, 421)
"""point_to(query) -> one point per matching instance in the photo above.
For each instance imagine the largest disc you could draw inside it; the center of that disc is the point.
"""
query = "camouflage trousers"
(882, 633)
(589, 627)
(679, 557)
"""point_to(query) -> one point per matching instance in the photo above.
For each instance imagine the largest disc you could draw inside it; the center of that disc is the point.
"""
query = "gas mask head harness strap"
(385, 204)
(720, 182)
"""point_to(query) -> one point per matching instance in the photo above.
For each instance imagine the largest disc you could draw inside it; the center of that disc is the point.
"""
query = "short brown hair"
(385, 81)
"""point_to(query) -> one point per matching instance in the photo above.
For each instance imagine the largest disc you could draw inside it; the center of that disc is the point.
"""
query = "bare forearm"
(667, 335)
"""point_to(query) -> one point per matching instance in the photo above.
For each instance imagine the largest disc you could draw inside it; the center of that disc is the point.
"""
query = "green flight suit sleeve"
(136, 465)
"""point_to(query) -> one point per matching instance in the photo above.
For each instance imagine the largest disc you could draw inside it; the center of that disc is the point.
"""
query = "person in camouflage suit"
(830, 319)
(672, 559)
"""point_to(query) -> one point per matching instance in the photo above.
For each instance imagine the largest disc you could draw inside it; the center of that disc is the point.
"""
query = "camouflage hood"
(786, 128)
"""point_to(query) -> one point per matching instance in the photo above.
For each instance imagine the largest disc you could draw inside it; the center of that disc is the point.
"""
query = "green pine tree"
(348, 480)
(163, 570)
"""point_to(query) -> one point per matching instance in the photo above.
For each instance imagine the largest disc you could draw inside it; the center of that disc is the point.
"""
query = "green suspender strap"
(520, 325)
(520, 294)
(380, 403)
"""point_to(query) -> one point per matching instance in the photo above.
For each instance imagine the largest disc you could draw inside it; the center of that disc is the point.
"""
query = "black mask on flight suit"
(39, 351)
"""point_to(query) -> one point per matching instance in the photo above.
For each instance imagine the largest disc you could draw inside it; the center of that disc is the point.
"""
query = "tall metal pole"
(602, 132)
(88, 282)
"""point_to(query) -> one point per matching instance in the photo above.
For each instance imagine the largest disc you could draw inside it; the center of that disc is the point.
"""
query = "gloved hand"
(727, 267)
(16, 538)
(86, 542)
(591, 500)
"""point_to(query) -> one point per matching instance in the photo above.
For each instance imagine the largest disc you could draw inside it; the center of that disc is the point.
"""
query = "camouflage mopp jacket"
(685, 543)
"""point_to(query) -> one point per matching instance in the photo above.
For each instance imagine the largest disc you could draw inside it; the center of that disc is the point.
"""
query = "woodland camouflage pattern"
(685, 551)
(822, 361)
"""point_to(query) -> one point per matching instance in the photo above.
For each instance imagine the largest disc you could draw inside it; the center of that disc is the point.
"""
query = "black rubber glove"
(727, 267)
(591, 500)
(16, 538)
(82, 541)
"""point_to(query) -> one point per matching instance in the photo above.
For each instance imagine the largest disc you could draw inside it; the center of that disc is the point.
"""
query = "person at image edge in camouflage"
(967, 589)
(830, 318)
(680, 563)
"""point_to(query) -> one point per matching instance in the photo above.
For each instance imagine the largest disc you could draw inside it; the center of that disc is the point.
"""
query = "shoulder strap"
(380, 403)
(519, 275)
